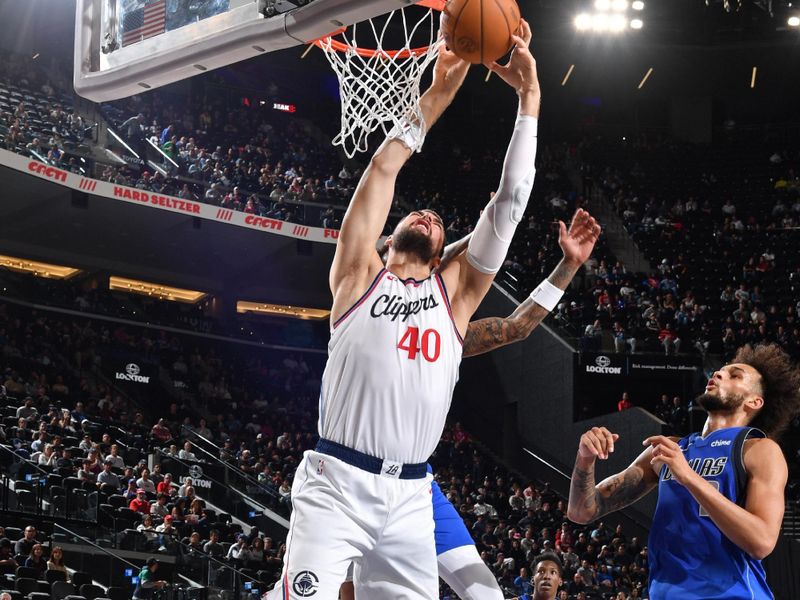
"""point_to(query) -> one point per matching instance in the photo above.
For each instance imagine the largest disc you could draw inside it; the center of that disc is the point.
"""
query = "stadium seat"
(62, 589)
(80, 578)
(118, 501)
(39, 596)
(26, 585)
(91, 591)
(28, 572)
(118, 593)
(53, 575)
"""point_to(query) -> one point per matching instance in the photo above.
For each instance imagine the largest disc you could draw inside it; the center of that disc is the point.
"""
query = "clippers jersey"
(392, 365)
(690, 558)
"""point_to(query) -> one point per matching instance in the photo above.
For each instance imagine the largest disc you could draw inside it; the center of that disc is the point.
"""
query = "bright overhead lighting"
(753, 78)
(602, 4)
(619, 5)
(637, 5)
(583, 22)
(39, 269)
(637, 24)
(154, 290)
(793, 21)
(646, 77)
(566, 77)
(280, 310)
(617, 23)
(600, 22)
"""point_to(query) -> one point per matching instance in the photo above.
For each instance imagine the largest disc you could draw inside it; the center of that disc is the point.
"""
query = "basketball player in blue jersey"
(363, 496)
(459, 564)
(720, 492)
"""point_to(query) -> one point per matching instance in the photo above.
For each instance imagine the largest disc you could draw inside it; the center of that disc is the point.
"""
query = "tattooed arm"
(589, 501)
(487, 334)
(577, 244)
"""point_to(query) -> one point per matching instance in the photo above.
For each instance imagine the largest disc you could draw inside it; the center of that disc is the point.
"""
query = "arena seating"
(721, 227)
(260, 410)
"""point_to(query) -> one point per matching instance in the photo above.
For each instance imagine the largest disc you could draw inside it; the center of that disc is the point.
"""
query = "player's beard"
(412, 241)
(714, 403)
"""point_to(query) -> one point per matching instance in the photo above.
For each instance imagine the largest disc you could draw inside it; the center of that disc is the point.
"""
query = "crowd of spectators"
(513, 520)
(35, 119)
(721, 227)
(241, 157)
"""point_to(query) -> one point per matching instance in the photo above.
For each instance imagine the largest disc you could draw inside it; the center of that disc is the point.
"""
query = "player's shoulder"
(762, 452)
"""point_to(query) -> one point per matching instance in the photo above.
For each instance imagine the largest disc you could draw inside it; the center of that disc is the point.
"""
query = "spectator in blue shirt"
(523, 582)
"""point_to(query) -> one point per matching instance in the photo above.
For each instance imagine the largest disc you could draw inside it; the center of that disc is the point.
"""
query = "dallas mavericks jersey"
(690, 558)
(392, 365)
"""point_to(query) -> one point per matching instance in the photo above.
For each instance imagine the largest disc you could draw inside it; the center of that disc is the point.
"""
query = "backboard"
(125, 47)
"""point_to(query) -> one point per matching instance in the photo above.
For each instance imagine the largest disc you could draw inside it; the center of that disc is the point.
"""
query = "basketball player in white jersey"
(363, 496)
(459, 564)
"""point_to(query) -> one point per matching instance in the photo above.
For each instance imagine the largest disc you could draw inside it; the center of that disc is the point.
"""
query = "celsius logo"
(720, 443)
(131, 373)
(602, 366)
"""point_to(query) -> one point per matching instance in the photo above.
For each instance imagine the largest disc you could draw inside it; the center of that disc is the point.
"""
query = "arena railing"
(227, 488)
(28, 488)
(238, 473)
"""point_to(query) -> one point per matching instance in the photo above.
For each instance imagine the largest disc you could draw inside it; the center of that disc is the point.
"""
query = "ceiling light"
(600, 22)
(793, 21)
(280, 310)
(637, 5)
(583, 22)
(154, 290)
(39, 269)
(617, 23)
(602, 4)
(637, 24)
(619, 5)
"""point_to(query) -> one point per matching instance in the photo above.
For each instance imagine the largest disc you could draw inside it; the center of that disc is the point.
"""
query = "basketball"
(480, 31)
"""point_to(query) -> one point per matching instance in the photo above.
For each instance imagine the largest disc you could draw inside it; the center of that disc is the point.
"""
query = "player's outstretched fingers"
(525, 30)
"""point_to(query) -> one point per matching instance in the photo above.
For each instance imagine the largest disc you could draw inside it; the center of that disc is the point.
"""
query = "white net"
(379, 88)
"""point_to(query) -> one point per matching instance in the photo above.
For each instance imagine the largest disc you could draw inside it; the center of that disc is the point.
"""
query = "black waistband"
(368, 463)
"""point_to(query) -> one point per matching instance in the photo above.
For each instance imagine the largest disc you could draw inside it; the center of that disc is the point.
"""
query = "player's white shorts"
(343, 514)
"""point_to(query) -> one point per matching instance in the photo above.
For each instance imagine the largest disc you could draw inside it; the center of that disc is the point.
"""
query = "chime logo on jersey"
(394, 307)
(705, 467)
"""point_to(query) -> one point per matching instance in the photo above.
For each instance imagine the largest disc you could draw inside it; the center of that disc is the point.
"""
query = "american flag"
(143, 23)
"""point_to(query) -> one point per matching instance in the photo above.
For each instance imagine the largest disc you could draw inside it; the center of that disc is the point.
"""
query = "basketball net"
(379, 88)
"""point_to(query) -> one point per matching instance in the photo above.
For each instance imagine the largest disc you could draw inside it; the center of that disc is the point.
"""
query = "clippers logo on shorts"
(394, 307)
(305, 584)
(321, 466)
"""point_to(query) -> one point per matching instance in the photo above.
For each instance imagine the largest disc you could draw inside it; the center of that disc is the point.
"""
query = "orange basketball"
(480, 31)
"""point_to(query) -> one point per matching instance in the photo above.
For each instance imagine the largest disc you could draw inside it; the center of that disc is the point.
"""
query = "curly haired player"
(720, 492)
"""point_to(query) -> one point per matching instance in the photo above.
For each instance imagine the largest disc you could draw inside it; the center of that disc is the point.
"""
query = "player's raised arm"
(356, 259)
(471, 275)
(589, 501)
(577, 244)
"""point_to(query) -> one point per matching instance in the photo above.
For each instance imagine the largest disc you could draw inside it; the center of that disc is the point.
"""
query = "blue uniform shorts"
(449, 529)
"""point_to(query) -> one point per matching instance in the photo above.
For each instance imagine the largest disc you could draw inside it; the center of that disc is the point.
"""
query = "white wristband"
(410, 131)
(547, 295)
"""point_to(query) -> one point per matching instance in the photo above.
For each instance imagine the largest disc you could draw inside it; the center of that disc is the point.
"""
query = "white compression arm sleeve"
(492, 236)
